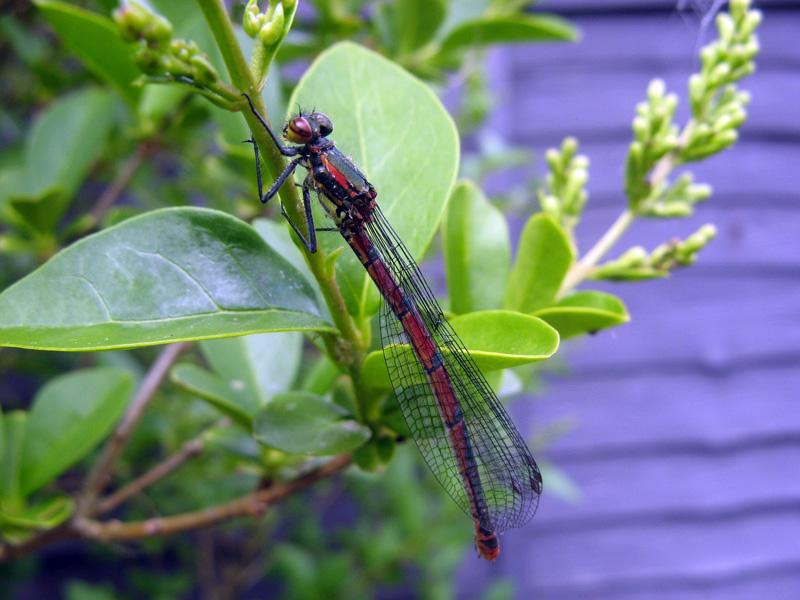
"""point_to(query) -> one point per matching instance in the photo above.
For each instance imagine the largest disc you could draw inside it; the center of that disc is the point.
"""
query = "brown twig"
(188, 451)
(40, 540)
(253, 504)
(112, 192)
(100, 474)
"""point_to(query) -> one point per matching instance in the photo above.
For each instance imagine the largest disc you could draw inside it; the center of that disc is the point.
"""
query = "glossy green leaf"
(304, 423)
(477, 251)
(248, 372)
(70, 416)
(94, 38)
(496, 339)
(166, 276)
(584, 312)
(507, 29)
(544, 256)
(10, 467)
(399, 135)
(278, 237)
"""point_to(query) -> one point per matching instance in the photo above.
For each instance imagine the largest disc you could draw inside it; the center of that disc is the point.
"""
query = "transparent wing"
(510, 482)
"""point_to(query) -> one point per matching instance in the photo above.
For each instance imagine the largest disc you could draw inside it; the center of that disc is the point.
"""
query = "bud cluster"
(636, 263)
(158, 54)
(655, 135)
(564, 195)
(718, 110)
(268, 28)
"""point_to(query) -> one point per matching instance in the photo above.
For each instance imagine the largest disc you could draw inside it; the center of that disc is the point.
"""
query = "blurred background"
(671, 443)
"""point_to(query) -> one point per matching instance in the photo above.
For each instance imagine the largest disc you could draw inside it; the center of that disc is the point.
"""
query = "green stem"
(347, 349)
(581, 269)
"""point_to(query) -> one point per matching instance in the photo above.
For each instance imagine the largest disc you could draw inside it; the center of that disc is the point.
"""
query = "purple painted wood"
(686, 422)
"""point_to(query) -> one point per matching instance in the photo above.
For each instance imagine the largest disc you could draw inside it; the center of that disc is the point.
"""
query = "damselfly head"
(306, 127)
(325, 125)
(299, 130)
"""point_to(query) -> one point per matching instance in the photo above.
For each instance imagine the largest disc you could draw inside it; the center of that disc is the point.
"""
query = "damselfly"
(462, 430)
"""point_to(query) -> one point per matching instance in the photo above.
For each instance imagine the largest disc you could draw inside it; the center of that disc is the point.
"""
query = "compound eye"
(299, 130)
(325, 125)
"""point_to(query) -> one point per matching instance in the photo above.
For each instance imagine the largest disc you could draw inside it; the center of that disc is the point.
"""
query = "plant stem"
(347, 349)
(112, 192)
(581, 269)
(101, 471)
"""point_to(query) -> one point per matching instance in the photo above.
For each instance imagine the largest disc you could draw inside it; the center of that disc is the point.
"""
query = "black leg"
(311, 242)
(287, 172)
(285, 150)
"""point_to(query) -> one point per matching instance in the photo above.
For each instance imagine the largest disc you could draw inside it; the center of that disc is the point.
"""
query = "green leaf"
(414, 23)
(70, 416)
(215, 390)
(265, 363)
(2, 436)
(249, 371)
(10, 467)
(477, 251)
(543, 259)
(94, 38)
(496, 339)
(507, 29)
(399, 135)
(320, 377)
(166, 276)
(304, 423)
(43, 514)
(62, 145)
(559, 483)
(80, 590)
(584, 312)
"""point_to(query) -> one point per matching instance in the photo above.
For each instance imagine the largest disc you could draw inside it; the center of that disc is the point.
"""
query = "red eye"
(299, 130)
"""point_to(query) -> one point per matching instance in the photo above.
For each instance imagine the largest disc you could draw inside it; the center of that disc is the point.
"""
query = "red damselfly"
(462, 430)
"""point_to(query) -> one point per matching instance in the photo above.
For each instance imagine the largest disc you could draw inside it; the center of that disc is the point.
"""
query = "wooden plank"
(690, 483)
(644, 39)
(608, 7)
(641, 555)
(646, 411)
(705, 321)
(750, 237)
(590, 89)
